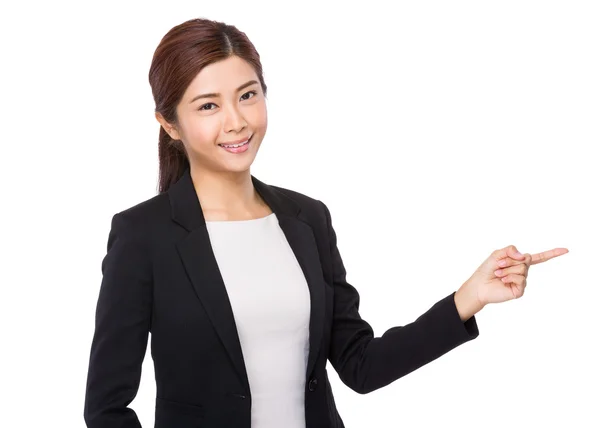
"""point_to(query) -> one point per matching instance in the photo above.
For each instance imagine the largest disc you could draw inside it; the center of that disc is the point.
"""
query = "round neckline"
(239, 221)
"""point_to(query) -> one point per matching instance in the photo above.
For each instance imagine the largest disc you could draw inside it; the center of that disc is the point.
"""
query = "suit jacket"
(160, 276)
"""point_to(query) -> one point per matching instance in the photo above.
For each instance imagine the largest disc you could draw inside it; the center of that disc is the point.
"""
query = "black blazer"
(160, 276)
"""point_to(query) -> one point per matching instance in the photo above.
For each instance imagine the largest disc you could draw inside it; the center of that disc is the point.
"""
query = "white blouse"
(271, 306)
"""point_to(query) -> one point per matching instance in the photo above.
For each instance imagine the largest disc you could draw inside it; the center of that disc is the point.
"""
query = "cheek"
(203, 133)
(259, 119)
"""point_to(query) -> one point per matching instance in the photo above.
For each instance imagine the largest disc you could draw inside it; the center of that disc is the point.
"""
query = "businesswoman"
(239, 282)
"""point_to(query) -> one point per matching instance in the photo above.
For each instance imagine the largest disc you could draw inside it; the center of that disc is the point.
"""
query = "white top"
(271, 306)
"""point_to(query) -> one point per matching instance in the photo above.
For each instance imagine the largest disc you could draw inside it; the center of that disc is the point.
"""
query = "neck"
(231, 193)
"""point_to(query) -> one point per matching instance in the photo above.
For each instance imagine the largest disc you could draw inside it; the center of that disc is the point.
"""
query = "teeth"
(235, 145)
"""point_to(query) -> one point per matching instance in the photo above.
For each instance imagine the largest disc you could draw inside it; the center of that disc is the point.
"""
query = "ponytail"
(172, 159)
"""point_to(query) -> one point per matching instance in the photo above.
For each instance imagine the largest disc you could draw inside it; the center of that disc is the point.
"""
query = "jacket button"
(312, 385)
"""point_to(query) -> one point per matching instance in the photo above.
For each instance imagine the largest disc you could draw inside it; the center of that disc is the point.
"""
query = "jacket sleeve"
(122, 324)
(366, 363)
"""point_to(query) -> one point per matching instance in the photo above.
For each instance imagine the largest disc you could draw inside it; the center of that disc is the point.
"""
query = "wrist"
(466, 303)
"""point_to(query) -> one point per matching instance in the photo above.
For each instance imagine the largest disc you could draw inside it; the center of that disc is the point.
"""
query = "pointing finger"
(547, 255)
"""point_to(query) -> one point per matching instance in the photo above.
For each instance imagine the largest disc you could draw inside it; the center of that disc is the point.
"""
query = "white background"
(436, 132)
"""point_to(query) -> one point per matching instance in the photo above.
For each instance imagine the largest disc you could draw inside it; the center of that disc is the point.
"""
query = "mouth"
(241, 143)
(239, 147)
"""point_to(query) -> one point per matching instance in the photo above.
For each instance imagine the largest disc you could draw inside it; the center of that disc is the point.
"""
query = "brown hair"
(181, 54)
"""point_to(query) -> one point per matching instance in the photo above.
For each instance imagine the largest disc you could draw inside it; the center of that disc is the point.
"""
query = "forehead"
(222, 77)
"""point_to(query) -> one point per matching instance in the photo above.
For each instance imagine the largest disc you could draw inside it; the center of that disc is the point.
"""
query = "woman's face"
(223, 104)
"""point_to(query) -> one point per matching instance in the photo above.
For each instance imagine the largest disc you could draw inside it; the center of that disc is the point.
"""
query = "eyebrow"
(215, 95)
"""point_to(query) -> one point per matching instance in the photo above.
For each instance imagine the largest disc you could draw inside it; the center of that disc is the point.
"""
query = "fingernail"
(498, 272)
(518, 254)
(502, 262)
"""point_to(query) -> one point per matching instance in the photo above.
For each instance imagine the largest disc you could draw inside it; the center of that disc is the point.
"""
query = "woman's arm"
(122, 324)
(366, 363)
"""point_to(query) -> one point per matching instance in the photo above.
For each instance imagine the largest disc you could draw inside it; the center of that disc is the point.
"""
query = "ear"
(170, 129)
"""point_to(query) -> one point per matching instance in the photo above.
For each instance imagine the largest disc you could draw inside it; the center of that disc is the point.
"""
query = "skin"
(501, 277)
(224, 184)
(222, 179)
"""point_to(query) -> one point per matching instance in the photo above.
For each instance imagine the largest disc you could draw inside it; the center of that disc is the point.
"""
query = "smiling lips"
(239, 147)
(235, 143)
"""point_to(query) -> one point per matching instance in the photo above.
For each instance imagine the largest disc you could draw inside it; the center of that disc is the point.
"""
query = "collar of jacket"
(187, 211)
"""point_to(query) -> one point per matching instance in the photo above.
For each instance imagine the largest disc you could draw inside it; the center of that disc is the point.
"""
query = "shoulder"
(314, 210)
(300, 198)
(143, 214)
(307, 203)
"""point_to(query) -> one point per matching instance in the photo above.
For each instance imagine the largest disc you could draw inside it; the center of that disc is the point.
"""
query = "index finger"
(547, 255)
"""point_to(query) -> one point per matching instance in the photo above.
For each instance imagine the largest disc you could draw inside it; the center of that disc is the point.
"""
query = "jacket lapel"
(201, 265)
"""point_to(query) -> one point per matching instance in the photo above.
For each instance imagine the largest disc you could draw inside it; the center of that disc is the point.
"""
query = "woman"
(241, 283)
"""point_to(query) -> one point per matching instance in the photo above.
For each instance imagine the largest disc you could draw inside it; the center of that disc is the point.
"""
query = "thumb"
(509, 251)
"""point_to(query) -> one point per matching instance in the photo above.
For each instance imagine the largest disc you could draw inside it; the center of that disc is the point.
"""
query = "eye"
(204, 105)
(249, 92)
(208, 104)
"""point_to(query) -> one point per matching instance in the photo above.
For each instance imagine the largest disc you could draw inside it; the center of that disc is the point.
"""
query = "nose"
(233, 120)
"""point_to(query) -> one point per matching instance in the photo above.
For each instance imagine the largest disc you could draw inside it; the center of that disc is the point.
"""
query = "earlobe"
(174, 134)
(168, 128)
